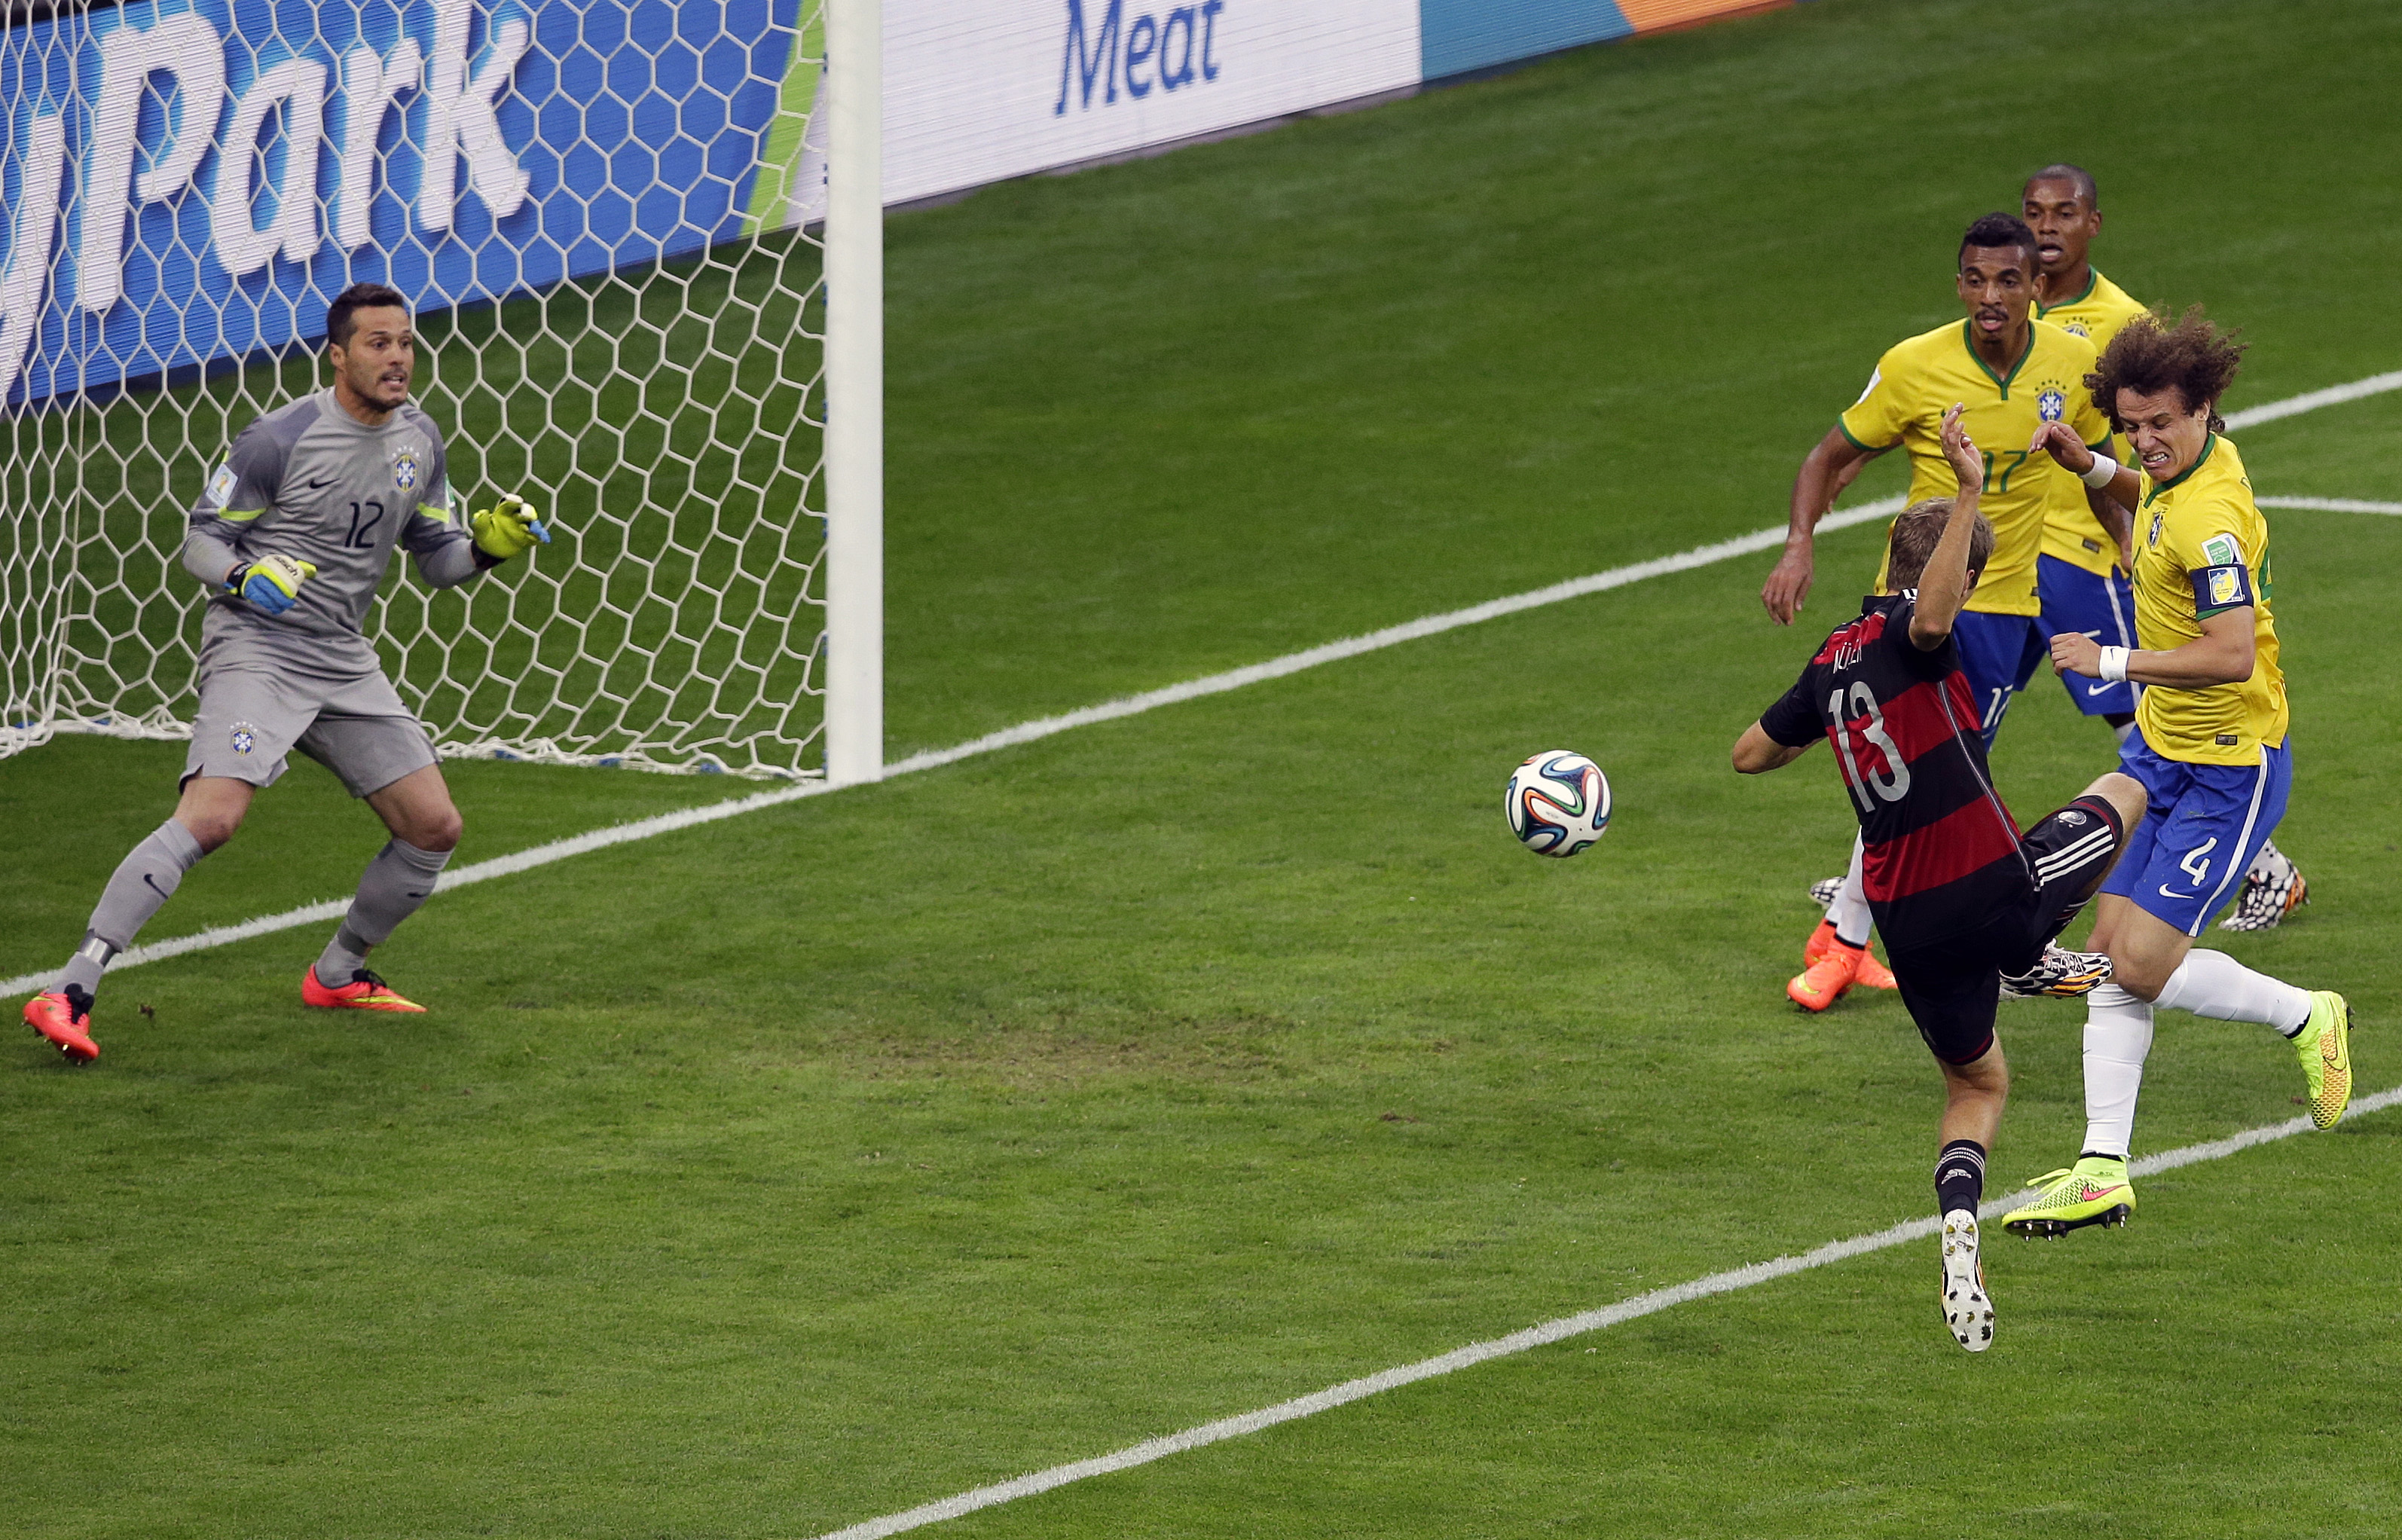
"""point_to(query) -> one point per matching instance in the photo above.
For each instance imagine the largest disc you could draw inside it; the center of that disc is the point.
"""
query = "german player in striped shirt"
(291, 538)
(1964, 900)
(2211, 746)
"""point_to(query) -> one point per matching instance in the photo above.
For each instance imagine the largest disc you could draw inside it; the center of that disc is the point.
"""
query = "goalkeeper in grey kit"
(292, 538)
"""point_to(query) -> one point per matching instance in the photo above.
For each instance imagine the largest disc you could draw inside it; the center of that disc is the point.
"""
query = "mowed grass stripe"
(1149, 700)
(1549, 1332)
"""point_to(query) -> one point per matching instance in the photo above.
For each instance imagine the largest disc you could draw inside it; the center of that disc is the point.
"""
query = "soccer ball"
(1558, 803)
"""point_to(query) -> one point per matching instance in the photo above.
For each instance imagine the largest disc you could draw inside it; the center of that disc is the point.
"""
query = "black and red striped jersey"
(1942, 852)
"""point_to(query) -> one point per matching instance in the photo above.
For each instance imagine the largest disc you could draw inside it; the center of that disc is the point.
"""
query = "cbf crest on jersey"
(2052, 404)
(404, 470)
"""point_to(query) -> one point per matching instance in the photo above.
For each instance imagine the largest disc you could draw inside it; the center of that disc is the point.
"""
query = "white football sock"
(1850, 910)
(2213, 984)
(2118, 1036)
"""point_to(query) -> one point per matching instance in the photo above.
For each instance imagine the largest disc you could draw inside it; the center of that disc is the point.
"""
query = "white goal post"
(643, 240)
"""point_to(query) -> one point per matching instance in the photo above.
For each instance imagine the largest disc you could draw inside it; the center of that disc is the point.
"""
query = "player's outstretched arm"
(2058, 440)
(1943, 586)
(508, 528)
(1814, 487)
(2224, 654)
(1755, 752)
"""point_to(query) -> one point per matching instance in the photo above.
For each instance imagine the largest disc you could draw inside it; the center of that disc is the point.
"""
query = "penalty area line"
(2330, 505)
(1024, 732)
(1151, 700)
(1532, 1337)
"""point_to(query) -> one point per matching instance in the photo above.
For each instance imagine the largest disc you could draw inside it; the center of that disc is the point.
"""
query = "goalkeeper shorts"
(256, 709)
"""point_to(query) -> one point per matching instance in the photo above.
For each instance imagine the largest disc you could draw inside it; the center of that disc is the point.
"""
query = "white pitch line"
(1024, 732)
(1233, 679)
(2310, 400)
(2330, 505)
(1521, 1341)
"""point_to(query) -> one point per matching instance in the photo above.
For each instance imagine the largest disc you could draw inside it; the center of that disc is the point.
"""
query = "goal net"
(603, 211)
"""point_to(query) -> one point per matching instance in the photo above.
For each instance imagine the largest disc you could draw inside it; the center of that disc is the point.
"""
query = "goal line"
(1149, 700)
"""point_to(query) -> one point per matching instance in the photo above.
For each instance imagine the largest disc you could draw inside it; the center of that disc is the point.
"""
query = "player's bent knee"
(209, 830)
(439, 831)
(2124, 793)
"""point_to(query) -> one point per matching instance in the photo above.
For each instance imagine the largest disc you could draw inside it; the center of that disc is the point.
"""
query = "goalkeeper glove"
(508, 528)
(271, 583)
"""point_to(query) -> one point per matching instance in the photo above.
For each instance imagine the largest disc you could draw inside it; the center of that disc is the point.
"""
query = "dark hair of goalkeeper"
(339, 324)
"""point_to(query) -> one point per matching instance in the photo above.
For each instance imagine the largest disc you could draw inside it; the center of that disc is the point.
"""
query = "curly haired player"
(1964, 900)
(292, 538)
(2210, 747)
(2081, 576)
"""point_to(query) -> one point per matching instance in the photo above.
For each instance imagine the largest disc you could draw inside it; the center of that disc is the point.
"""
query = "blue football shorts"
(2201, 828)
(2103, 608)
(1999, 654)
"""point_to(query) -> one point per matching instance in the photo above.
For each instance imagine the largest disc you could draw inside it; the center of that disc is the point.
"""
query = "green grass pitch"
(766, 1177)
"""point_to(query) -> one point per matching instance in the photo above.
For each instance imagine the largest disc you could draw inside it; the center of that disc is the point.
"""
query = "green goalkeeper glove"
(272, 584)
(508, 528)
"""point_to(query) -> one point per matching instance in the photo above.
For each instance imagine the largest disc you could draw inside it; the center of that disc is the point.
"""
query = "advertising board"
(190, 180)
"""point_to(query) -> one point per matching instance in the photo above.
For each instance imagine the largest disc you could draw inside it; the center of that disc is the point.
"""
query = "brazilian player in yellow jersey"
(2210, 747)
(2013, 374)
(2081, 577)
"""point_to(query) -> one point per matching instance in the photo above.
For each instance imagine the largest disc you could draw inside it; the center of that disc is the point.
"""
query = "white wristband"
(2114, 665)
(2105, 470)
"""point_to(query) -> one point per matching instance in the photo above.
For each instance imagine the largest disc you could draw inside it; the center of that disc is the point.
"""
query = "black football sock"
(1960, 1177)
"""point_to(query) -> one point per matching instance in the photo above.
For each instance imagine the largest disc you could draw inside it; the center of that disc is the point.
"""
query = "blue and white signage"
(191, 180)
(975, 91)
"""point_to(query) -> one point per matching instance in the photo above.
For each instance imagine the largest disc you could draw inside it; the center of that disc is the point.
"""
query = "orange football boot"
(1823, 983)
(1871, 974)
(364, 992)
(63, 1018)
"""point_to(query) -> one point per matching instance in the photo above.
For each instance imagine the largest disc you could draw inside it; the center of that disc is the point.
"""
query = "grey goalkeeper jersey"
(312, 482)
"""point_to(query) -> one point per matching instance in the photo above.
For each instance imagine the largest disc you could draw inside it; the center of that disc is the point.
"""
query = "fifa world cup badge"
(245, 737)
(404, 470)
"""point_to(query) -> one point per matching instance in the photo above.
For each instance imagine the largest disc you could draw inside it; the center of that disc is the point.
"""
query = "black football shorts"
(1951, 986)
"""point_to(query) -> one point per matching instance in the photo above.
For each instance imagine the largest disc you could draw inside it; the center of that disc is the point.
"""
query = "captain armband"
(2219, 589)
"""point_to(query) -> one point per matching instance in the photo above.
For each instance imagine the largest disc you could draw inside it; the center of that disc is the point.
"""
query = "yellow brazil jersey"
(2070, 532)
(2202, 547)
(1916, 382)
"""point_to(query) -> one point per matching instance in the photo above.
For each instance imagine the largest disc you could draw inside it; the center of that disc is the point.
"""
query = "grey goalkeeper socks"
(143, 880)
(396, 883)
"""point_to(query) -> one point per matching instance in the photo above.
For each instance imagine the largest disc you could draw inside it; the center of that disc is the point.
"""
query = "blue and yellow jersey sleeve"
(2201, 550)
(2071, 532)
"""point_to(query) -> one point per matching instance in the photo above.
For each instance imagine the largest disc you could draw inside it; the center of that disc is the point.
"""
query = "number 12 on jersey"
(362, 536)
